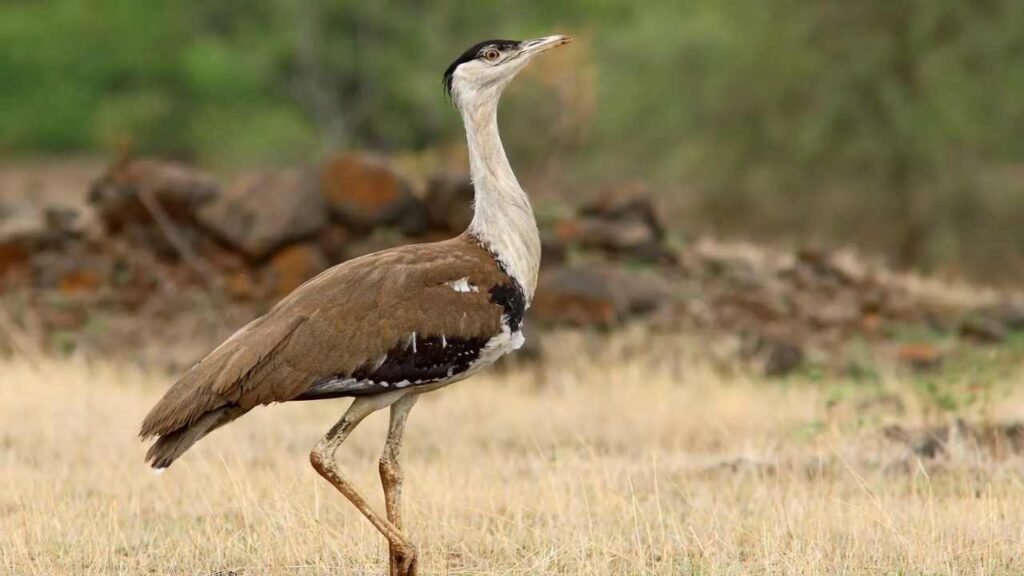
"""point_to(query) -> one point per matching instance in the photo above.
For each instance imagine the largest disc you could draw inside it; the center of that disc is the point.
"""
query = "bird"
(388, 327)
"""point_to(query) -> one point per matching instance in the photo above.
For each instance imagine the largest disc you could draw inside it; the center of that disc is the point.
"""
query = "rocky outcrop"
(132, 190)
(292, 266)
(365, 191)
(23, 231)
(622, 223)
(598, 296)
(153, 204)
(449, 202)
(151, 228)
(262, 211)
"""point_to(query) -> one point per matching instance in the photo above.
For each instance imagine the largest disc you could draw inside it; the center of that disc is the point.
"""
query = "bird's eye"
(492, 55)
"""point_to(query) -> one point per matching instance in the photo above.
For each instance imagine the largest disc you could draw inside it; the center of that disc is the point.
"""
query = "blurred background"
(779, 320)
(786, 175)
(894, 127)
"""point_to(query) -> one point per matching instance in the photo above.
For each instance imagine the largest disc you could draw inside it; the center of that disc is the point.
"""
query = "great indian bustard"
(386, 327)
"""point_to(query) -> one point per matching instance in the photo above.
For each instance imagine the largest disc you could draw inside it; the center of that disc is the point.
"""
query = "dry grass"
(606, 468)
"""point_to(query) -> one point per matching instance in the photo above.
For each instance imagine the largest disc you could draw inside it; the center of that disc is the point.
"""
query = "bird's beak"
(538, 45)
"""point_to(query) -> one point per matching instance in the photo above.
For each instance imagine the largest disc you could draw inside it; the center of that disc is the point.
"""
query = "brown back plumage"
(340, 320)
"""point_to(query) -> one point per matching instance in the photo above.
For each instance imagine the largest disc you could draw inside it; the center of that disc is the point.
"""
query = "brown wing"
(338, 323)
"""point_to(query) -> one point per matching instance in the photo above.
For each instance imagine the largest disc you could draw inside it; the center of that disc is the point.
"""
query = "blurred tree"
(866, 122)
(892, 124)
(78, 75)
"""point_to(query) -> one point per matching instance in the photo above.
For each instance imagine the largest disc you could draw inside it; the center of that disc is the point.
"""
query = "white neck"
(502, 216)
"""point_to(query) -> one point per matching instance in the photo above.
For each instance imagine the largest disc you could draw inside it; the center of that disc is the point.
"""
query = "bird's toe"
(407, 561)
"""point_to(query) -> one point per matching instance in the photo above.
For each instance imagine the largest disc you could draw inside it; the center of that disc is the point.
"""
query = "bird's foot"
(403, 561)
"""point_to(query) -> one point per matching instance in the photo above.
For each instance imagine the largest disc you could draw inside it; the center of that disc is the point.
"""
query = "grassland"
(610, 462)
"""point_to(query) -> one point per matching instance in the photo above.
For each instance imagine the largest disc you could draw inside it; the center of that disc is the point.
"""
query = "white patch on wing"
(412, 342)
(444, 341)
(462, 285)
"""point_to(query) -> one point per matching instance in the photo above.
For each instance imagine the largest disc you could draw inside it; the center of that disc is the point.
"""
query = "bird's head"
(483, 71)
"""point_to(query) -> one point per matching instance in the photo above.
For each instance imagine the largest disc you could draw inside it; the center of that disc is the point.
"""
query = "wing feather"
(341, 320)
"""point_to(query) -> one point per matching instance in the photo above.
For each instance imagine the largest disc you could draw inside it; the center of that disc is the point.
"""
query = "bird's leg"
(322, 459)
(391, 479)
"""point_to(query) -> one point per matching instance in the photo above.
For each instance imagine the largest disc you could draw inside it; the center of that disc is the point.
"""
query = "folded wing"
(409, 316)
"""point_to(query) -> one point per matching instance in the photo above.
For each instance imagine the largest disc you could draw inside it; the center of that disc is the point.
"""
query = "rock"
(28, 231)
(926, 443)
(81, 280)
(564, 298)
(555, 251)
(998, 441)
(630, 204)
(364, 191)
(777, 355)
(375, 242)
(262, 211)
(69, 223)
(783, 358)
(223, 258)
(234, 271)
(760, 303)
(178, 190)
(73, 270)
(821, 268)
(920, 355)
(289, 268)
(596, 297)
(839, 311)
(624, 225)
(335, 240)
(1009, 314)
(936, 441)
(1012, 315)
(173, 192)
(615, 236)
(872, 324)
(23, 231)
(1002, 440)
(449, 202)
(983, 329)
(241, 285)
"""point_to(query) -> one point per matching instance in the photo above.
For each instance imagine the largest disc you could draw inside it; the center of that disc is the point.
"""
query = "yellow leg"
(391, 479)
(322, 459)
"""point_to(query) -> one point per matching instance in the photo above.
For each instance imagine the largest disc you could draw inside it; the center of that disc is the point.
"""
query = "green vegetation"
(891, 124)
(974, 378)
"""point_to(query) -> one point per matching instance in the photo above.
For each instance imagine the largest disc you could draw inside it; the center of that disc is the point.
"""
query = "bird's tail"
(168, 447)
